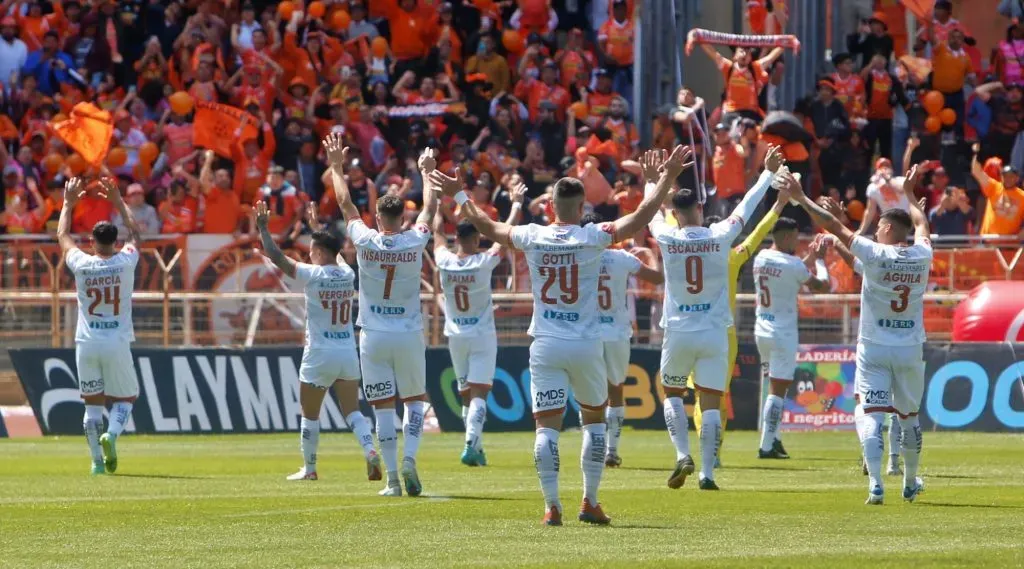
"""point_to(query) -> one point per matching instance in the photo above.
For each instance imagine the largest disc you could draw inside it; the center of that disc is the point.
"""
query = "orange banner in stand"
(216, 126)
(88, 130)
(920, 8)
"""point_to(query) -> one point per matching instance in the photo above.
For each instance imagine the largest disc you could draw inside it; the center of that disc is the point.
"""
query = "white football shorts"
(703, 352)
(616, 360)
(890, 377)
(394, 364)
(558, 364)
(106, 368)
(473, 359)
(778, 356)
(322, 367)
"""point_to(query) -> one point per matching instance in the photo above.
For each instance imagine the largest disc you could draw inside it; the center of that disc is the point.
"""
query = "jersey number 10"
(341, 311)
(108, 295)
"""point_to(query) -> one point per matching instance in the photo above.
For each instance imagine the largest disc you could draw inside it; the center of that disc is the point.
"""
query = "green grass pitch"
(222, 501)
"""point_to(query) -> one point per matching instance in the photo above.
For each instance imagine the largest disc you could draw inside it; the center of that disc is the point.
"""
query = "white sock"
(465, 414)
(120, 412)
(545, 457)
(475, 422)
(858, 413)
(869, 427)
(309, 441)
(771, 415)
(615, 417)
(592, 459)
(678, 425)
(360, 426)
(911, 449)
(412, 428)
(387, 438)
(895, 435)
(710, 433)
(92, 424)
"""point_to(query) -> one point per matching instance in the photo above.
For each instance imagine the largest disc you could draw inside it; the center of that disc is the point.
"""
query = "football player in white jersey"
(778, 277)
(469, 319)
(696, 315)
(567, 352)
(392, 351)
(890, 359)
(329, 357)
(618, 267)
(104, 282)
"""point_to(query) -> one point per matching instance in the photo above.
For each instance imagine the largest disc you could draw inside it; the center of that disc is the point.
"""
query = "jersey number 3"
(568, 281)
(900, 304)
(109, 295)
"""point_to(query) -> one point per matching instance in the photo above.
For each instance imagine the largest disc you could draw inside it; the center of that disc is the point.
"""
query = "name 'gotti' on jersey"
(466, 282)
(778, 277)
(892, 293)
(330, 290)
(696, 263)
(389, 277)
(612, 298)
(104, 288)
(565, 264)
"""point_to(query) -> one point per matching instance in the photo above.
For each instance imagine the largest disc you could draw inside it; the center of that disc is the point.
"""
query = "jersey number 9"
(694, 274)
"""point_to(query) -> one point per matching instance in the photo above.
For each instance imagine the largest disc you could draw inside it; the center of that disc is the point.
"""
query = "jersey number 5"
(694, 275)
(604, 294)
(765, 296)
(900, 304)
(341, 311)
(568, 281)
(109, 295)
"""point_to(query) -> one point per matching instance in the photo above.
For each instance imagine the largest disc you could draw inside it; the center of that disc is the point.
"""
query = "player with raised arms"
(567, 351)
(104, 281)
(617, 267)
(778, 277)
(392, 350)
(890, 346)
(329, 356)
(469, 318)
(696, 316)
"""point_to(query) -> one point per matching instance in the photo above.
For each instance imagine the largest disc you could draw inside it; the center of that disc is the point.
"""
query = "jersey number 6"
(461, 294)
(568, 281)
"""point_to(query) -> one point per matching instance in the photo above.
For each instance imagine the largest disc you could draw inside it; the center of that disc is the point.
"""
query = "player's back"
(696, 261)
(778, 277)
(612, 293)
(565, 263)
(892, 291)
(330, 291)
(389, 277)
(466, 282)
(104, 286)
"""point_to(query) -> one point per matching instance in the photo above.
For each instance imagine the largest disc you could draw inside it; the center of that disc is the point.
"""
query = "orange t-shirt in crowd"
(624, 135)
(534, 16)
(222, 211)
(250, 174)
(950, 69)
(1004, 212)
(410, 31)
(618, 40)
(487, 208)
(18, 223)
(89, 211)
(729, 169)
(572, 63)
(534, 91)
(203, 91)
(179, 141)
(179, 218)
(878, 103)
(599, 103)
(628, 201)
(742, 86)
(850, 92)
(291, 209)
(264, 96)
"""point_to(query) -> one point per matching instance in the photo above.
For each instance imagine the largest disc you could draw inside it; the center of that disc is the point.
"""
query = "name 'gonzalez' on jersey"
(467, 292)
(330, 290)
(104, 288)
(565, 263)
(892, 293)
(389, 277)
(778, 277)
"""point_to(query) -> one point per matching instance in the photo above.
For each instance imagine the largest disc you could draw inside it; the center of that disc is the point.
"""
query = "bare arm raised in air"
(431, 193)
(270, 248)
(113, 194)
(73, 191)
(337, 153)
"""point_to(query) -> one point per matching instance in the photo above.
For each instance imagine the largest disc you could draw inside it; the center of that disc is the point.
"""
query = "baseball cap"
(134, 190)
(721, 126)
(883, 163)
(1009, 169)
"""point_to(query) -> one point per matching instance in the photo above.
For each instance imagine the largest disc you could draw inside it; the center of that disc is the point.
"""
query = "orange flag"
(88, 132)
(216, 127)
(7, 129)
(921, 8)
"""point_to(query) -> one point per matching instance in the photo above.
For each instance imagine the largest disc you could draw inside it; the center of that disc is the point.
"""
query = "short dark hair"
(104, 233)
(685, 198)
(591, 218)
(465, 229)
(785, 224)
(898, 217)
(390, 205)
(711, 220)
(568, 188)
(327, 240)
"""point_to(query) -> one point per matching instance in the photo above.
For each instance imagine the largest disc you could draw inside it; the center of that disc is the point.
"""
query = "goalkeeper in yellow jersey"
(739, 255)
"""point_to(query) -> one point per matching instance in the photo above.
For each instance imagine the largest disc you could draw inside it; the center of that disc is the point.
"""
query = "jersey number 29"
(568, 281)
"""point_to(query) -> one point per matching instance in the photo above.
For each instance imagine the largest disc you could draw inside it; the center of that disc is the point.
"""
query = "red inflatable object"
(992, 312)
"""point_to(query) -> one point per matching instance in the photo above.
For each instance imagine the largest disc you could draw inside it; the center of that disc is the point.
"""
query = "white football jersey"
(892, 291)
(466, 281)
(330, 292)
(617, 266)
(104, 288)
(778, 277)
(888, 195)
(389, 277)
(565, 263)
(696, 261)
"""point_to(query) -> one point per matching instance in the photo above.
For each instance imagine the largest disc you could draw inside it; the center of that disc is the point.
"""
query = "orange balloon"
(117, 157)
(316, 9)
(855, 209)
(340, 20)
(141, 171)
(379, 46)
(76, 164)
(148, 152)
(181, 103)
(933, 102)
(52, 163)
(947, 116)
(932, 125)
(512, 41)
(579, 110)
(286, 9)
